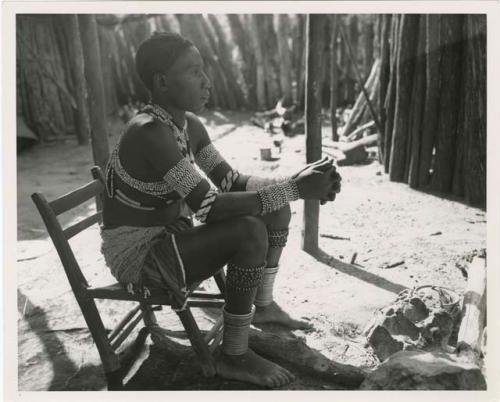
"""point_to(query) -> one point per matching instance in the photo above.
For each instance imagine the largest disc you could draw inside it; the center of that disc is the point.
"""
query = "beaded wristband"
(276, 196)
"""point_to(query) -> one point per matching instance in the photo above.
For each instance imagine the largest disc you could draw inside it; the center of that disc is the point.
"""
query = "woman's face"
(188, 87)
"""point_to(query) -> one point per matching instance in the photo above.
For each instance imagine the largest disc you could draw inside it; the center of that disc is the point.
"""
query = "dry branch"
(473, 310)
(358, 110)
(360, 82)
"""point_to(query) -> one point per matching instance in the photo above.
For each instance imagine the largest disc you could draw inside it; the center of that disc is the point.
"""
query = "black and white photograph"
(250, 201)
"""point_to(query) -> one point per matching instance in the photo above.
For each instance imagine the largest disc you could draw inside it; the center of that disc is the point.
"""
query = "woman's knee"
(280, 219)
(252, 233)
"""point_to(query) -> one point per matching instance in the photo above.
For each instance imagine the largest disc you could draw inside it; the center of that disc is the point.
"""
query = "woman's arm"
(228, 179)
(216, 167)
(160, 149)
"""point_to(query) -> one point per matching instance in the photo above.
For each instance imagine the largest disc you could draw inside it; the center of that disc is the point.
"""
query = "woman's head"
(172, 69)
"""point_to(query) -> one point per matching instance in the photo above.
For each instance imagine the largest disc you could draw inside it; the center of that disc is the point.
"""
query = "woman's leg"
(242, 244)
(267, 310)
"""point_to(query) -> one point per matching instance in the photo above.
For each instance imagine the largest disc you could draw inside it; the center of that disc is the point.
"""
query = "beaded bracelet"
(276, 196)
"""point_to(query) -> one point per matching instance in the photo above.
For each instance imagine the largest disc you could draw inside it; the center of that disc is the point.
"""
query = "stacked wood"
(352, 152)
(360, 113)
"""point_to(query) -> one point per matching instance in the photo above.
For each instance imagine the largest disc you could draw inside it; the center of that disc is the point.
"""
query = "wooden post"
(334, 79)
(93, 75)
(315, 28)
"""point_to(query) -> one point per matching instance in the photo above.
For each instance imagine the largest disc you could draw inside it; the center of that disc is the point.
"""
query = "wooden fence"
(433, 103)
(252, 61)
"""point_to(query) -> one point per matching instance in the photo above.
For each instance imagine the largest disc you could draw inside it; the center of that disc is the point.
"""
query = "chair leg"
(148, 315)
(220, 280)
(110, 360)
(198, 343)
(115, 380)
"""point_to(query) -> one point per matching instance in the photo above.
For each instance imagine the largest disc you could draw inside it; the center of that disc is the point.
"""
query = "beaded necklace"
(156, 188)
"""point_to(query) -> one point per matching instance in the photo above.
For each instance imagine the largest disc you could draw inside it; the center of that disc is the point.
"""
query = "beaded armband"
(228, 181)
(276, 196)
(182, 178)
(208, 158)
(206, 206)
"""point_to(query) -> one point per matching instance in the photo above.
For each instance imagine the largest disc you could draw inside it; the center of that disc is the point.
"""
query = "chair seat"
(117, 291)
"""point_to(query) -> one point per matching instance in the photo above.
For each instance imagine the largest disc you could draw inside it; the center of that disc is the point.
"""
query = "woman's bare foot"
(274, 314)
(252, 368)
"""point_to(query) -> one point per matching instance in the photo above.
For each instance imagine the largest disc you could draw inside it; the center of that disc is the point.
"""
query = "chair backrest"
(50, 211)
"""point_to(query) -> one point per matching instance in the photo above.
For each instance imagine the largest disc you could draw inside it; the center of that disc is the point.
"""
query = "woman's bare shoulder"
(144, 129)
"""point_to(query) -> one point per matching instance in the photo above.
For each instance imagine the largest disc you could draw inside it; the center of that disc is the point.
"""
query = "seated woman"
(154, 188)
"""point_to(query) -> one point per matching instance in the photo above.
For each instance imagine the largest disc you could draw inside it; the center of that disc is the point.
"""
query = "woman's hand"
(335, 184)
(318, 180)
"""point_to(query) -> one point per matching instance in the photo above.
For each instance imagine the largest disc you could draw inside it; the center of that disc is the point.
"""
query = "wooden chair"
(116, 365)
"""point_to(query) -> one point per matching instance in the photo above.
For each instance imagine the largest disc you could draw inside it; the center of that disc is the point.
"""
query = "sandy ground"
(382, 222)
